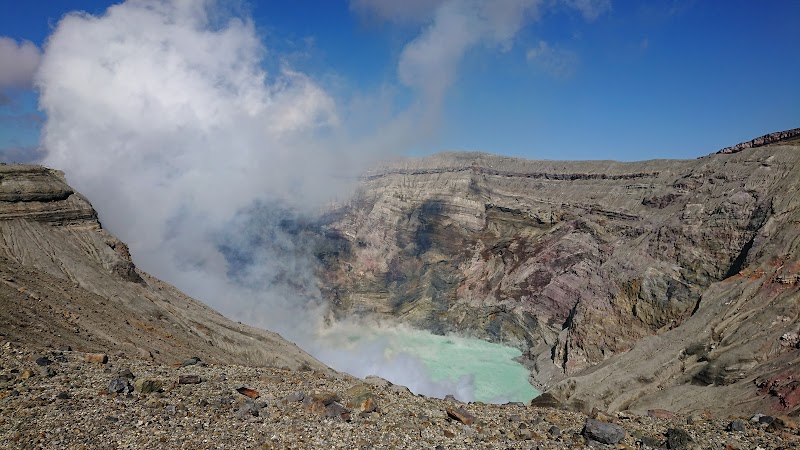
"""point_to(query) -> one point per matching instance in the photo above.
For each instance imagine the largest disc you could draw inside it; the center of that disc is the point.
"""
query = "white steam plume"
(205, 164)
(18, 62)
(429, 63)
(166, 119)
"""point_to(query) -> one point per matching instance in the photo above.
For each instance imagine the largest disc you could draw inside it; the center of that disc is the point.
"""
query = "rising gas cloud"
(163, 114)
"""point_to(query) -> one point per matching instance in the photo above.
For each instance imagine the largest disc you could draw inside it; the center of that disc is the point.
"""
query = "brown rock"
(148, 385)
(661, 414)
(189, 379)
(96, 358)
(461, 415)
(325, 397)
(247, 392)
(362, 398)
(335, 410)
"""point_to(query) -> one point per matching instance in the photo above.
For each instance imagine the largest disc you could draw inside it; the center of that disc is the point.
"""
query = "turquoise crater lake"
(429, 364)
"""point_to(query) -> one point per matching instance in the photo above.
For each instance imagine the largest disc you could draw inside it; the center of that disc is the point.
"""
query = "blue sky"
(577, 79)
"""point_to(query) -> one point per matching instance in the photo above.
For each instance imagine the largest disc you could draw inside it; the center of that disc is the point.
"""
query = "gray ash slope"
(629, 286)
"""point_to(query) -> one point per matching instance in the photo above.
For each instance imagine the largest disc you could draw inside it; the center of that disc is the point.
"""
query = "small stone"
(247, 392)
(766, 420)
(126, 373)
(119, 385)
(362, 398)
(47, 371)
(450, 398)
(736, 425)
(554, 431)
(367, 404)
(63, 395)
(96, 358)
(337, 411)
(694, 419)
(650, 441)
(661, 414)
(524, 434)
(605, 433)
(325, 397)
(148, 385)
(171, 410)
(189, 379)
(247, 409)
(677, 438)
(27, 373)
(43, 361)
(296, 396)
(461, 415)
(145, 354)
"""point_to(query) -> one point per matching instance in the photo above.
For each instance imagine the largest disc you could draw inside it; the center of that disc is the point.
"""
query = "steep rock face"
(65, 281)
(573, 262)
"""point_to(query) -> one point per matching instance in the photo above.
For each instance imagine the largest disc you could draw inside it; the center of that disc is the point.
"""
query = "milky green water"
(471, 369)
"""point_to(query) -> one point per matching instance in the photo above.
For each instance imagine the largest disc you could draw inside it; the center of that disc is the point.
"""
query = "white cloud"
(200, 160)
(429, 63)
(169, 124)
(555, 61)
(407, 11)
(18, 62)
(590, 9)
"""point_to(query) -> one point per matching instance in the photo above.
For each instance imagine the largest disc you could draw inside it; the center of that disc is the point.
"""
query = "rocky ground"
(67, 399)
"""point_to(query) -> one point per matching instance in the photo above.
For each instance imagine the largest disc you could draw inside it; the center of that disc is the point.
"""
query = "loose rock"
(189, 379)
(737, 425)
(677, 438)
(43, 361)
(605, 433)
(119, 385)
(96, 358)
(461, 415)
(662, 414)
(247, 392)
(148, 385)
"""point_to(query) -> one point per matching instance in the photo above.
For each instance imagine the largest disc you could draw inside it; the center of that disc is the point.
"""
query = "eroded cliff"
(65, 281)
(627, 285)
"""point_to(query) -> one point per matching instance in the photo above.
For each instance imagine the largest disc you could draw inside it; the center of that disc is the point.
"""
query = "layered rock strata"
(627, 285)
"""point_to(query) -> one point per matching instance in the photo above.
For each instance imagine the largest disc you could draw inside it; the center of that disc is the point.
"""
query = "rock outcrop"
(66, 282)
(771, 138)
(655, 284)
